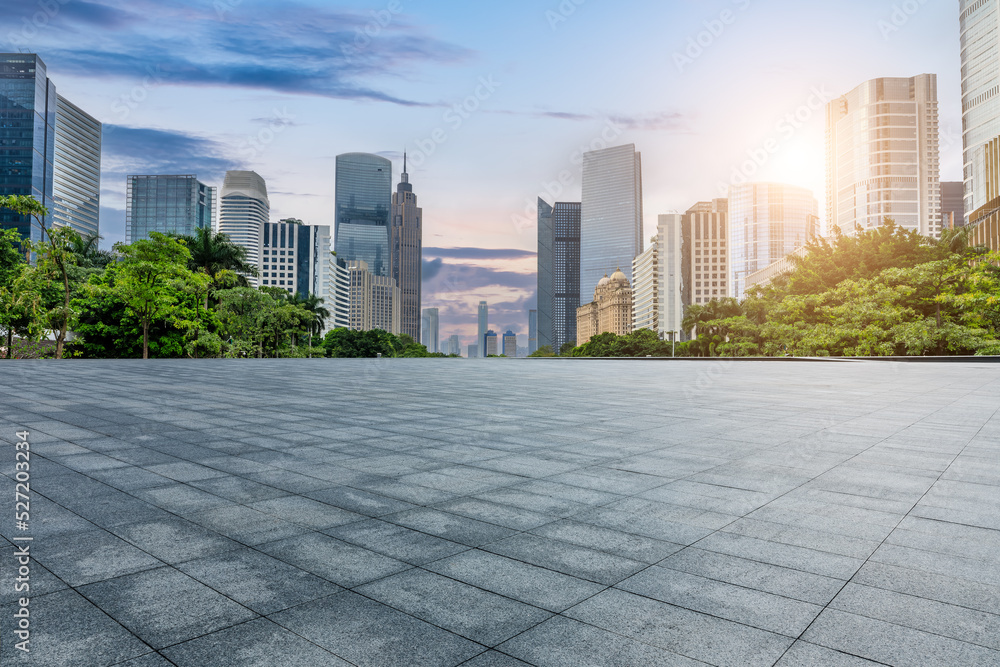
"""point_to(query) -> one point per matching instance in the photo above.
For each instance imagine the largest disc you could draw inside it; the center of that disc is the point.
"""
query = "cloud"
(667, 121)
(431, 269)
(136, 150)
(479, 253)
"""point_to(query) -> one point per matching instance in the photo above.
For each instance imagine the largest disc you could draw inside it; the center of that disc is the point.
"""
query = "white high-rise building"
(646, 288)
(882, 156)
(670, 239)
(243, 210)
(767, 221)
(430, 330)
(611, 214)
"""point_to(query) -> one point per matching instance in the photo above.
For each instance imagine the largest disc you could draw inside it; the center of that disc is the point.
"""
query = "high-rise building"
(76, 184)
(406, 249)
(454, 346)
(558, 272)
(646, 288)
(882, 156)
(611, 213)
(670, 238)
(609, 312)
(364, 210)
(333, 282)
(386, 302)
(169, 205)
(243, 209)
(952, 205)
(289, 256)
(510, 344)
(767, 221)
(532, 331)
(28, 109)
(980, 30)
(490, 344)
(473, 352)
(705, 253)
(484, 325)
(359, 296)
(431, 339)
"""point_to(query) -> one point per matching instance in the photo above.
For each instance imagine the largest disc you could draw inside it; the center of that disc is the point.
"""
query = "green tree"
(214, 254)
(347, 344)
(567, 348)
(542, 352)
(12, 263)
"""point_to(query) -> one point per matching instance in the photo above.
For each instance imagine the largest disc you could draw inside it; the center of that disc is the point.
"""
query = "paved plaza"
(501, 513)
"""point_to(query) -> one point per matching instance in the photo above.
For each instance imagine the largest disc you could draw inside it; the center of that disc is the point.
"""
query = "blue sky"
(493, 101)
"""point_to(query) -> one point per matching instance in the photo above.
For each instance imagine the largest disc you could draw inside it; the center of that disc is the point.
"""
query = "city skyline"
(223, 105)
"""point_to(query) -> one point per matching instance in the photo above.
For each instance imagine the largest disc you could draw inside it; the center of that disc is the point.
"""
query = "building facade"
(431, 330)
(782, 267)
(611, 232)
(359, 296)
(767, 221)
(490, 344)
(979, 22)
(385, 306)
(406, 250)
(333, 282)
(454, 346)
(170, 205)
(670, 239)
(705, 263)
(532, 331)
(510, 344)
(484, 325)
(364, 210)
(610, 311)
(289, 257)
(558, 273)
(883, 156)
(76, 184)
(646, 312)
(243, 209)
(28, 108)
(952, 205)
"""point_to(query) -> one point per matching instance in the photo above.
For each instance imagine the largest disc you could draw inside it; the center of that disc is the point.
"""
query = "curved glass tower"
(363, 213)
(243, 210)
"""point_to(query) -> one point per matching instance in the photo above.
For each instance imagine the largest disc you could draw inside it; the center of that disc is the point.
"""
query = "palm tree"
(214, 253)
(314, 305)
(88, 252)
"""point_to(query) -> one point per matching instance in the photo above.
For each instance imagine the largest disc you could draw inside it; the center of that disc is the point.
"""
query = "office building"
(611, 213)
(952, 205)
(532, 331)
(510, 344)
(364, 211)
(333, 282)
(473, 352)
(705, 254)
(490, 344)
(646, 289)
(454, 346)
(76, 181)
(782, 267)
(558, 273)
(484, 325)
(767, 221)
(243, 209)
(609, 312)
(431, 336)
(406, 250)
(28, 104)
(386, 302)
(359, 296)
(289, 256)
(670, 241)
(170, 205)
(882, 156)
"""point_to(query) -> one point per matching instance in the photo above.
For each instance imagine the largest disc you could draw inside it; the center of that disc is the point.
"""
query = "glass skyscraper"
(168, 205)
(767, 221)
(611, 214)
(484, 325)
(243, 210)
(27, 137)
(558, 272)
(407, 253)
(980, 30)
(882, 156)
(363, 210)
(76, 186)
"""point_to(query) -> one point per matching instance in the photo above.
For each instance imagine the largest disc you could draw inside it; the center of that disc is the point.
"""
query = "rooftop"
(417, 512)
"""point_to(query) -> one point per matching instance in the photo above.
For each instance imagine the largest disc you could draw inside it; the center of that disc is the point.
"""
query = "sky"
(493, 102)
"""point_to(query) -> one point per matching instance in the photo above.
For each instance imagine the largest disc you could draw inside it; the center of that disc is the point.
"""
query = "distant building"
(406, 251)
(170, 205)
(333, 282)
(363, 210)
(611, 212)
(386, 302)
(484, 319)
(782, 267)
(430, 326)
(767, 221)
(473, 352)
(705, 253)
(646, 289)
(243, 209)
(882, 157)
(510, 344)
(952, 205)
(532, 331)
(610, 311)
(454, 346)
(490, 344)
(289, 256)
(670, 241)
(76, 184)
(558, 273)
(360, 296)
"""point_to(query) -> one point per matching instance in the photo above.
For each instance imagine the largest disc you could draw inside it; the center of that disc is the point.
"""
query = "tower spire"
(405, 176)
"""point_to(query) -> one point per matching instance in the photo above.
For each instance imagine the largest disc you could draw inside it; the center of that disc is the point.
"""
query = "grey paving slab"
(94, 555)
(804, 654)
(344, 564)
(451, 527)
(306, 512)
(245, 525)
(174, 540)
(626, 545)
(572, 559)
(259, 643)
(404, 544)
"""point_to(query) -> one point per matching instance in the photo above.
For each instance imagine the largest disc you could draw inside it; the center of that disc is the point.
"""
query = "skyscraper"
(386, 302)
(558, 272)
(980, 30)
(168, 204)
(364, 211)
(767, 221)
(510, 344)
(490, 344)
(670, 237)
(244, 208)
(28, 105)
(611, 213)
(952, 205)
(705, 253)
(406, 249)
(484, 325)
(474, 352)
(454, 346)
(646, 289)
(532, 331)
(76, 184)
(882, 156)
(431, 338)
(290, 256)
